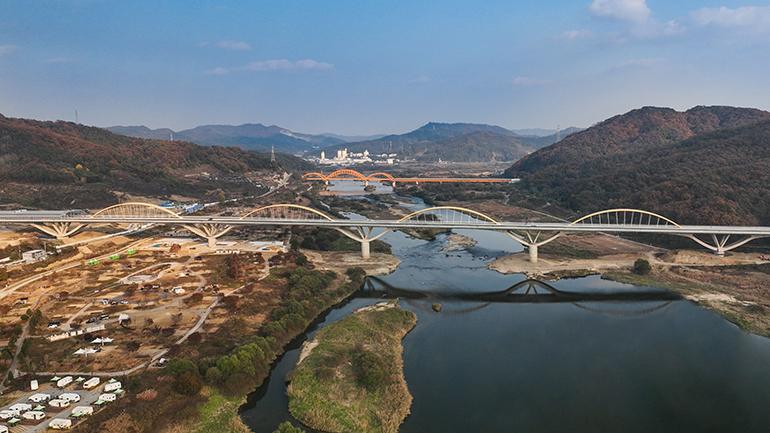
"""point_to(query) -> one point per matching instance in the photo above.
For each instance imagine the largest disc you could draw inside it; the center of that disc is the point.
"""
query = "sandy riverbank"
(340, 261)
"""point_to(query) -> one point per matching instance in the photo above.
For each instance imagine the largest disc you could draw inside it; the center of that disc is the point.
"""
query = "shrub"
(370, 369)
(188, 383)
(642, 267)
(148, 394)
(287, 427)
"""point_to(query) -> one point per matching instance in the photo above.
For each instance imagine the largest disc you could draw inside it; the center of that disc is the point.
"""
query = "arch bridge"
(530, 234)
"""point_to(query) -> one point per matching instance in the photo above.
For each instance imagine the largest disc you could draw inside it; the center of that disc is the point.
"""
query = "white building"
(33, 256)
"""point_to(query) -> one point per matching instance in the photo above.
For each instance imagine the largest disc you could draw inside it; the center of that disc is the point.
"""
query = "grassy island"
(350, 377)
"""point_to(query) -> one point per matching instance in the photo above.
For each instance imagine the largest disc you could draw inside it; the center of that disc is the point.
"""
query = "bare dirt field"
(339, 261)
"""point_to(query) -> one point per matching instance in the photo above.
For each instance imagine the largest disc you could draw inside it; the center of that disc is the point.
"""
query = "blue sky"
(367, 67)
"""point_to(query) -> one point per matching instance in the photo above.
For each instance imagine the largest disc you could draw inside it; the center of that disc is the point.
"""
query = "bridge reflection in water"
(624, 303)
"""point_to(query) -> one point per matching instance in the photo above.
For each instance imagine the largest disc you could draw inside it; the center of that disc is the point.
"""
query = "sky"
(377, 67)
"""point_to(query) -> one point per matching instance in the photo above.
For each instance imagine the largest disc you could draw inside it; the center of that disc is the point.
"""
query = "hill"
(62, 164)
(249, 136)
(454, 142)
(707, 165)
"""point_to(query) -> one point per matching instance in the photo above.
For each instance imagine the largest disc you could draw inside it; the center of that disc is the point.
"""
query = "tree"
(177, 367)
(234, 266)
(188, 383)
(174, 248)
(642, 267)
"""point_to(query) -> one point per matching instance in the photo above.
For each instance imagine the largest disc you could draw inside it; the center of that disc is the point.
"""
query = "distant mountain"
(62, 164)
(143, 132)
(451, 142)
(707, 165)
(477, 146)
(540, 132)
(256, 137)
(353, 138)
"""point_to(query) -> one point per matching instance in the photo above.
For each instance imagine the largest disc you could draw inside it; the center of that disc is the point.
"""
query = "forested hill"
(90, 162)
(708, 165)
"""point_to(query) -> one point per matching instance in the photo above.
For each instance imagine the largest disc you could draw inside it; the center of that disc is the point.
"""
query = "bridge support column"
(363, 236)
(531, 242)
(532, 253)
(58, 230)
(720, 244)
(209, 231)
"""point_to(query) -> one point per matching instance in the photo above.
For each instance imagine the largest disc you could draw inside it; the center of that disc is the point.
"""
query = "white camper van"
(60, 424)
(63, 382)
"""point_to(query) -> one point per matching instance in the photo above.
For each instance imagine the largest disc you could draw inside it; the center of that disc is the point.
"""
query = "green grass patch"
(352, 380)
(220, 414)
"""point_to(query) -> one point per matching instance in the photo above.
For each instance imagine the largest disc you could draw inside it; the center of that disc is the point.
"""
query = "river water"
(581, 355)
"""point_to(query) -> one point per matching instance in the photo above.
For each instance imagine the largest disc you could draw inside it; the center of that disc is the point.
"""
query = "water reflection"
(581, 355)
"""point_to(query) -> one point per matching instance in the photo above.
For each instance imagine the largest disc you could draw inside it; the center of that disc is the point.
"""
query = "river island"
(350, 377)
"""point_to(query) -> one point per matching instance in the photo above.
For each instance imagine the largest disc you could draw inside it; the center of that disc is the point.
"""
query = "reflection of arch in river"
(531, 292)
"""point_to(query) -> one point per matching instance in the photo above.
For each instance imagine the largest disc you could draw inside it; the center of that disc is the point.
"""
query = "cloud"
(635, 11)
(8, 49)
(274, 65)
(748, 17)
(217, 71)
(59, 60)
(576, 34)
(642, 63)
(283, 64)
(232, 45)
(524, 81)
(422, 79)
(228, 45)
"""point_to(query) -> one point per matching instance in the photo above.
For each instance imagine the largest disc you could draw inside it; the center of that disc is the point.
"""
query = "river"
(583, 355)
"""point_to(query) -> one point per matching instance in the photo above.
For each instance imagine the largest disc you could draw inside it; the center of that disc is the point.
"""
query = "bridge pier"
(209, 231)
(59, 230)
(531, 242)
(363, 237)
(532, 248)
(720, 244)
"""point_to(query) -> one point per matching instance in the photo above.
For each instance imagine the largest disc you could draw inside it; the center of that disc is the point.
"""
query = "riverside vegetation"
(350, 378)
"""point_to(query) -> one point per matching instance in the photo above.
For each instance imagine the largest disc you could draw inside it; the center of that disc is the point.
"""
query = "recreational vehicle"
(60, 424)
(70, 397)
(63, 382)
(82, 411)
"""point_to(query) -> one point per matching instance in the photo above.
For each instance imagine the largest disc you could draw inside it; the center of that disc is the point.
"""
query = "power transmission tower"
(272, 153)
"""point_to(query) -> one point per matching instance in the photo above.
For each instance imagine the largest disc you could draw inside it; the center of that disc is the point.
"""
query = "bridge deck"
(395, 224)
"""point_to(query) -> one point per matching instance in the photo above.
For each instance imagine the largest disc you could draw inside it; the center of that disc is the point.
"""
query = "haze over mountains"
(255, 137)
(455, 142)
(451, 142)
(707, 165)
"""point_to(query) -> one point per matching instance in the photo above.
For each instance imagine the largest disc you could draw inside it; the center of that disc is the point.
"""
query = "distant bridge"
(347, 174)
(530, 234)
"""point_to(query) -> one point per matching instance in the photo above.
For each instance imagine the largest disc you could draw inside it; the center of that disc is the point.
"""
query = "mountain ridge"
(660, 160)
(248, 136)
